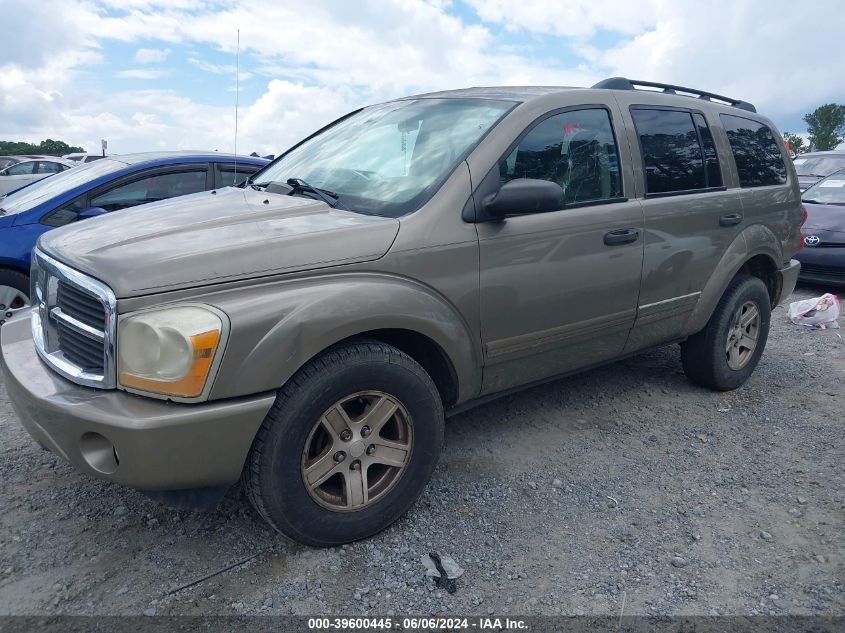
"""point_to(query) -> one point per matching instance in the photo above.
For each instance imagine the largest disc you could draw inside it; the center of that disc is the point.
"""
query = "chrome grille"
(73, 323)
(81, 305)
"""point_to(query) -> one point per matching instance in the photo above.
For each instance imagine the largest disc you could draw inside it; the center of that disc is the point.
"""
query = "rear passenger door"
(691, 216)
(559, 289)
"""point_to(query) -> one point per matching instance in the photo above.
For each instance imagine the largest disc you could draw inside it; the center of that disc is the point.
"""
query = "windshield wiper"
(298, 185)
(812, 175)
(811, 201)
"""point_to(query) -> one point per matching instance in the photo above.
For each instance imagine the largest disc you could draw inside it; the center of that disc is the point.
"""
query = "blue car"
(99, 187)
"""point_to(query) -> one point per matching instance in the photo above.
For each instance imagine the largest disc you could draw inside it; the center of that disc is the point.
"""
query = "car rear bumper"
(139, 442)
(823, 265)
(788, 278)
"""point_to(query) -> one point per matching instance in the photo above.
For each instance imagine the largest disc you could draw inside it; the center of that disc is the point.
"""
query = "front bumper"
(139, 442)
(823, 265)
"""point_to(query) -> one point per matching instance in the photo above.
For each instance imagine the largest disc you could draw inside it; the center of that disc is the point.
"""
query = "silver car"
(28, 171)
(813, 166)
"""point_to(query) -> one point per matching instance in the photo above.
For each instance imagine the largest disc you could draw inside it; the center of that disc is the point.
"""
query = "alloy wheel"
(12, 301)
(357, 451)
(742, 335)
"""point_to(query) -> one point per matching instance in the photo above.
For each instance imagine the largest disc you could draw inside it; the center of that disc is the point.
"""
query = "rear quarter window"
(759, 161)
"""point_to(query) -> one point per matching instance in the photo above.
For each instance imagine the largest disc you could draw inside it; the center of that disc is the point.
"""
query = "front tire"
(348, 446)
(14, 293)
(724, 354)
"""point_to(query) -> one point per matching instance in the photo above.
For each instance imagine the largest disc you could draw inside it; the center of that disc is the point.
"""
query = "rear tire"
(296, 477)
(724, 354)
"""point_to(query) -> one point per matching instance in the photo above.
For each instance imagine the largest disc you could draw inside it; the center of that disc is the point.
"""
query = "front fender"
(753, 241)
(278, 327)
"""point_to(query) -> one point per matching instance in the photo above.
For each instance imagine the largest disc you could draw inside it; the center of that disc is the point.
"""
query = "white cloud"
(317, 59)
(750, 51)
(220, 69)
(570, 18)
(744, 51)
(151, 55)
(142, 73)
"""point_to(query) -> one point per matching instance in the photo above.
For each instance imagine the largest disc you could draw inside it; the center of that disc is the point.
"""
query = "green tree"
(826, 126)
(48, 147)
(796, 143)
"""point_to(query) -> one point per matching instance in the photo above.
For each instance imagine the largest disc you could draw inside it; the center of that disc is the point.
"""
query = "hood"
(209, 238)
(828, 217)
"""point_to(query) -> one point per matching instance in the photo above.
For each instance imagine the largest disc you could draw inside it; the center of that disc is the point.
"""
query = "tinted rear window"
(672, 155)
(759, 161)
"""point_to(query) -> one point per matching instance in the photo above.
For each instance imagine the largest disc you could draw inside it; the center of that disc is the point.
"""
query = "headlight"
(170, 351)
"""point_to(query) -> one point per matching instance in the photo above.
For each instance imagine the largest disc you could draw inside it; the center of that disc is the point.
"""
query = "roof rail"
(622, 83)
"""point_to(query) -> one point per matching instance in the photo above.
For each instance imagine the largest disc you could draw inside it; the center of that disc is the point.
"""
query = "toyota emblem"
(812, 240)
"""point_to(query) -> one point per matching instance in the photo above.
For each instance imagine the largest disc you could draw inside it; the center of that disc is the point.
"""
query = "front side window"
(759, 161)
(21, 169)
(150, 189)
(66, 213)
(388, 159)
(576, 150)
(673, 156)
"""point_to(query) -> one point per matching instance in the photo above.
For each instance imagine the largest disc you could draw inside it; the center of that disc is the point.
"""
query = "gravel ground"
(626, 484)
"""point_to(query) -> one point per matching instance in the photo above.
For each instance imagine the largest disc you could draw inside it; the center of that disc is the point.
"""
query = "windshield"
(818, 165)
(388, 159)
(828, 191)
(38, 192)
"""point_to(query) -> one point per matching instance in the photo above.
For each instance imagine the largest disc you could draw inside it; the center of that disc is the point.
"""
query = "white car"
(28, 171)
(82, 157)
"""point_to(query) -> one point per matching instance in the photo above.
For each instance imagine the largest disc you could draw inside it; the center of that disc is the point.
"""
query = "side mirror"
(522, 196)
(91, 212)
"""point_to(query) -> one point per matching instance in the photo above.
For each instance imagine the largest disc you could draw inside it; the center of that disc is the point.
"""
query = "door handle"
(731, 219)
(622, 236)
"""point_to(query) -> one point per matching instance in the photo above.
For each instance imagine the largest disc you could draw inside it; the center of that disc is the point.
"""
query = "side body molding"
(279, 326)
(753, 241)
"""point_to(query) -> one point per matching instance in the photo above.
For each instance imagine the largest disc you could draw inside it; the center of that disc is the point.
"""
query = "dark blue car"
(99, 187)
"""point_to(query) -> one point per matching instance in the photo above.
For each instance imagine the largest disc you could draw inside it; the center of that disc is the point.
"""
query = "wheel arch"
(756, 252)
(268, 343)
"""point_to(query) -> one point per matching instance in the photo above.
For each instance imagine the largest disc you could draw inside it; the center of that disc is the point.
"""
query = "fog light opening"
(99, 453)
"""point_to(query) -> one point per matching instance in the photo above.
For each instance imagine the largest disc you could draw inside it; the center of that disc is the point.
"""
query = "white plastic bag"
(820, 312)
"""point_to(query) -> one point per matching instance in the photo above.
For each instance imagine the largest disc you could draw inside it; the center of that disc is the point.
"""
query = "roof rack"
(622, 83)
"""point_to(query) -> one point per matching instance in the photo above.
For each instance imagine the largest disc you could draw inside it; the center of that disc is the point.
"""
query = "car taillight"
(804, 216)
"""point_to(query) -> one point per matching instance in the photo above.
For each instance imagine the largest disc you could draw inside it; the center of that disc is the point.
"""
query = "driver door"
(559, 289)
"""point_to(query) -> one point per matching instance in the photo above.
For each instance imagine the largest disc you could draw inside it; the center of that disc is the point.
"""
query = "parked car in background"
(97, 188)
(813, 166)
(28, 171)
(424, 254)
(5, 161)
(823, 257)
(82, 157)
